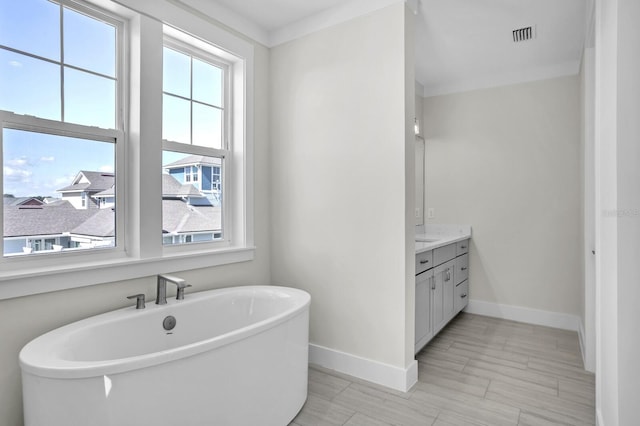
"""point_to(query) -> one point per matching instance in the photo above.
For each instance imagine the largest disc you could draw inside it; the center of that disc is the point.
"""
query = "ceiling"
(461, 45)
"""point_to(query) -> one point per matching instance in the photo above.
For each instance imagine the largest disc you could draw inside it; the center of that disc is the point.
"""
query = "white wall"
(618, 211)
(506, 160)
(588, 291)
(342, 102)
(25, 318)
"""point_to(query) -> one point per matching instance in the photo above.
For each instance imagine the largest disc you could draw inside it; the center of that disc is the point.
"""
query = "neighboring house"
(78, 221)
(84, 186)
(187, 214)
(204, 173)
(184, 223)
(21, 201)
(32, 228)
(106, 199)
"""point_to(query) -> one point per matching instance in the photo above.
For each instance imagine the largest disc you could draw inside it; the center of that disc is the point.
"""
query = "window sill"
(44, 280)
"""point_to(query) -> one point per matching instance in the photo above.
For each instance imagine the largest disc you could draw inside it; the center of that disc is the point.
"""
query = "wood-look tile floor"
(476, 371)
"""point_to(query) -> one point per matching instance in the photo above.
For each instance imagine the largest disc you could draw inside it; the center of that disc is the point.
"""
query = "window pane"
(32, 26)
(89, 43)
(176, 73)
(89, 99)
(207, 126)
(207, 83)
(176, 122)
(29, 86)
(44, 179)
(191, 211)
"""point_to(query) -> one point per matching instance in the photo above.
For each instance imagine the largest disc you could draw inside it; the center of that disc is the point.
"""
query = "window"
(58, 63)
(59, 94)
(213, 179)
(193, 97)
(195, 143)
(64, 93)
(191, 174)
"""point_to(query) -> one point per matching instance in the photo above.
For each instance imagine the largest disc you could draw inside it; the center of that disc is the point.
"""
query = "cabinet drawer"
(424, 261)
(461, 297)
(444, 254)
(462, 247)
(462, 268)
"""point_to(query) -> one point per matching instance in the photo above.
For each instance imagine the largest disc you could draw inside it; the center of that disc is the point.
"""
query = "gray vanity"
(442, 285)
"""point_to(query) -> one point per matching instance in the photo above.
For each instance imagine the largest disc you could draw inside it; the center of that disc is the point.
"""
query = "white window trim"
(144, 255)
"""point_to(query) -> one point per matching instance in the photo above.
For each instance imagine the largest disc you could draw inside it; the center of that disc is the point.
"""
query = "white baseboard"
(401, 379)
(581, 338)
(599, 421)
(521, 314)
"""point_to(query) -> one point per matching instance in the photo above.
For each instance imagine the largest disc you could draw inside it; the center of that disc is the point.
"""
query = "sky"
(39, 164)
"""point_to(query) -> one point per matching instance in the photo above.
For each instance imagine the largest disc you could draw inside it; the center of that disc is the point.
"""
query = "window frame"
(145, 25)
(202, 52)
(9, 120)
(95, 12)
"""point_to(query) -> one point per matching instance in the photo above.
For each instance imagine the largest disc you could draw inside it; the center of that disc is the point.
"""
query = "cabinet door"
(449, 290)
(424, 261)
(461, 296)
(423, 309)
(462, 247)
(462, 268)
(442, 295)
(437, 301)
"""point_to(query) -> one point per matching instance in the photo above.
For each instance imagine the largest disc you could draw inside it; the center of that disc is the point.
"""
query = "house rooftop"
(47, 219)
(179, 217)
(21, 201)
(171, 188)
(92, 182)
(192, 160)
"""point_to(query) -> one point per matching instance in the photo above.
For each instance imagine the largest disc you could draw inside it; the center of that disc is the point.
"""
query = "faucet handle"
(139, 300)
(181, 287)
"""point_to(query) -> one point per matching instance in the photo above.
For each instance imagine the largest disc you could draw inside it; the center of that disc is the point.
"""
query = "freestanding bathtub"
(237, 356)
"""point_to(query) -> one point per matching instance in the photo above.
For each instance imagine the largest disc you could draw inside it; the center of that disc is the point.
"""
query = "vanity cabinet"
(442, 288)
(423, 308)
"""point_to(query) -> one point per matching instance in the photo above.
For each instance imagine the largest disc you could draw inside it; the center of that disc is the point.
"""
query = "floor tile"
(478, 371)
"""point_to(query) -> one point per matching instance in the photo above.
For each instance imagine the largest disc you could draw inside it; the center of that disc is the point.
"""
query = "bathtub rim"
(35, 360)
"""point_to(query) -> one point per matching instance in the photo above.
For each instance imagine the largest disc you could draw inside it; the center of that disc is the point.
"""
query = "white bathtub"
(236, 356)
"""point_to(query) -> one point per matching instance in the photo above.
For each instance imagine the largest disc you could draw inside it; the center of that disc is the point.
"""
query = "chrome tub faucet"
(161, 297)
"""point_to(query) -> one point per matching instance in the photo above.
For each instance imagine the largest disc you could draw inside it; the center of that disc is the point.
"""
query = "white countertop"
(434, 236)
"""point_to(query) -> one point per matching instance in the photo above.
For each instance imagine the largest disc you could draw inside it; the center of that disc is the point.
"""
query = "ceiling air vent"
(523, 34)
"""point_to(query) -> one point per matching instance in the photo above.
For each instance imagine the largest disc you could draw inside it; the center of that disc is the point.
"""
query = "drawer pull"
(463, 295)
(433, 283)
(463, 247)
(422, 262)
(464, 268)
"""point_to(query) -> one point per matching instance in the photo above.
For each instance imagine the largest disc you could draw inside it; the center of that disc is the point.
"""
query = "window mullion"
(62, 118)
(191, 99)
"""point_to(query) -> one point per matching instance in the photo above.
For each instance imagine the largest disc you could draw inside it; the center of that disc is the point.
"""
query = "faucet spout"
(161, 298)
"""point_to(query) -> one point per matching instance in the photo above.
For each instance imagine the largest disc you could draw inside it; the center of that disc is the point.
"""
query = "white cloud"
(105, 169)
(15, 64)
(18, 162)
(48, 159)
(14, 174)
